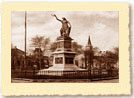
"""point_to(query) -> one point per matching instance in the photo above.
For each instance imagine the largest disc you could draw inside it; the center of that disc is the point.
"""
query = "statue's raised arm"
(56, 17)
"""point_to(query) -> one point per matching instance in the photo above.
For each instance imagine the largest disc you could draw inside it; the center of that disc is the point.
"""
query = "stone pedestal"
(64, 56)
(63, 60)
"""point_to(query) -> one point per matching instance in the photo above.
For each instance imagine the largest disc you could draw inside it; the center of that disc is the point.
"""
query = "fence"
(84, 74)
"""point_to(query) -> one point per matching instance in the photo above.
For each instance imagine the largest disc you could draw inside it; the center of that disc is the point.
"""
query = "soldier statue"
(66, 26)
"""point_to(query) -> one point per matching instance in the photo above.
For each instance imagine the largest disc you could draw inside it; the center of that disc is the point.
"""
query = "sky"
(102, 27)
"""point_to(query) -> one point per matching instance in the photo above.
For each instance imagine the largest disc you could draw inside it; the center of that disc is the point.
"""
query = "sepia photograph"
(76, 46)
(50, 48)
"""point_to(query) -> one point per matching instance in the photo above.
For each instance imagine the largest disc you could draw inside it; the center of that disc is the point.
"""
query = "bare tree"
(53, 46)
(37, 41)
(45, 43)
(40, 42)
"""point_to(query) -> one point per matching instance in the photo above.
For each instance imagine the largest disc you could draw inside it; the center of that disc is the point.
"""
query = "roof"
(17, 51)
(89, 45)
(37, 50)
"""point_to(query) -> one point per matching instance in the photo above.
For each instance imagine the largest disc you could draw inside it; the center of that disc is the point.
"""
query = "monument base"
(63, 64)
(60, 71)
(63, 60)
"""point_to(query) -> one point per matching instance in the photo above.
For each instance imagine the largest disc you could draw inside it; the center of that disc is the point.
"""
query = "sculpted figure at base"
(66, 26)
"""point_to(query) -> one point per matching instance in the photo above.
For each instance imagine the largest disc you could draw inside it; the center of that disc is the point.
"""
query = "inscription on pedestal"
(69, 60)
(59, 60)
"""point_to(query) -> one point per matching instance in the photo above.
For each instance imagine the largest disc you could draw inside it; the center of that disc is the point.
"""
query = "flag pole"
(25, 39)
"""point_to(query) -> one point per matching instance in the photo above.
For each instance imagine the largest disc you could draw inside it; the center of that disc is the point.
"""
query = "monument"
(63, 56)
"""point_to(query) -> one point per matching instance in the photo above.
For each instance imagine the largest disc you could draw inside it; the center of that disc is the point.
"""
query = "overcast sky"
(101, 26)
